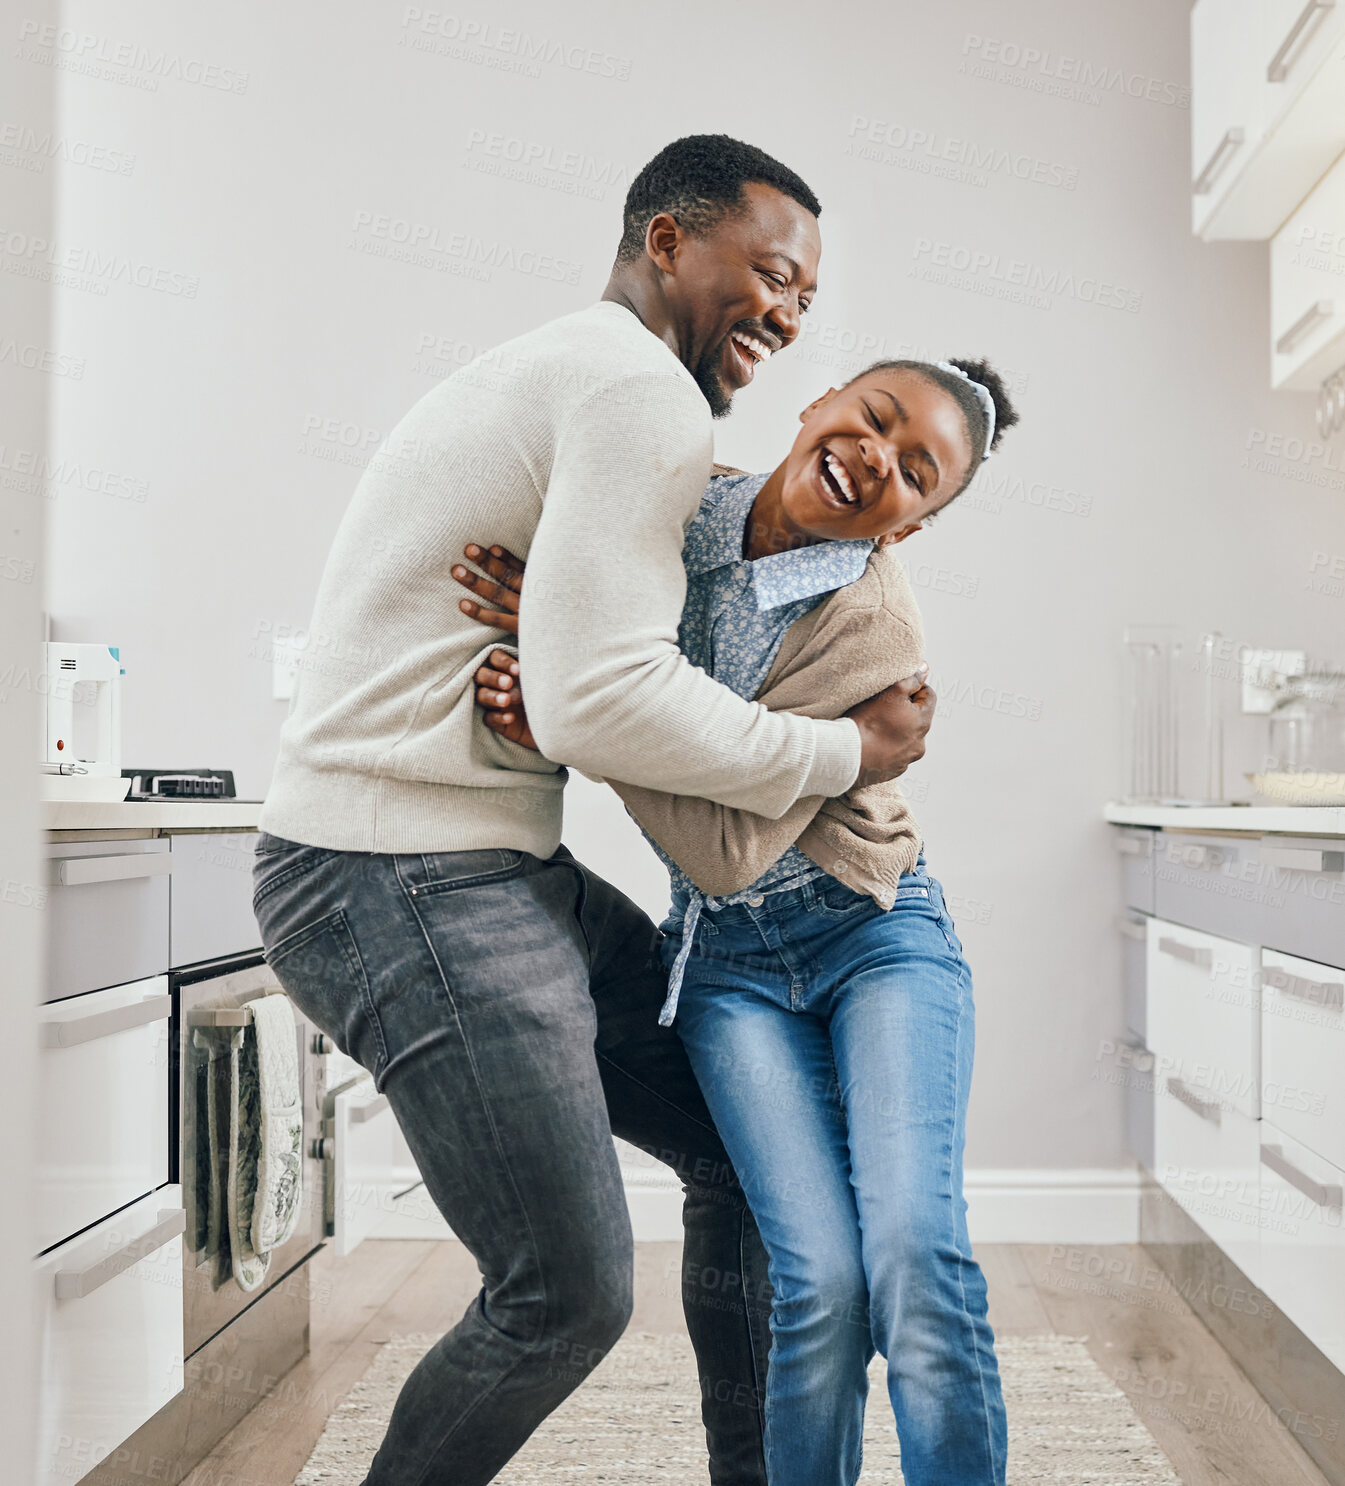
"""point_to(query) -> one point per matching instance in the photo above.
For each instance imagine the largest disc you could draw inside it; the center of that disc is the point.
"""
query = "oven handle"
(75, 1284)
(104, 1023)
(75, 871)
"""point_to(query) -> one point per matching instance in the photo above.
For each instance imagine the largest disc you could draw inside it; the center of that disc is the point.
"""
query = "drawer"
(110, 1325)
(1307, 287)
(107, 914)
(1227, 102)
(1303, 1051)
(103, 1095)
(1304, 882)
(1136, 850)
(1133, 928)
(211, 900)
(1267, 77)
(1203, 1018)
(1302, 1239)
(1207, 1159)
(1209, 883)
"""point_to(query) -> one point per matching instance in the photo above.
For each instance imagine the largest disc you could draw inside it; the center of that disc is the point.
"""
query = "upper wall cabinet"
(1307, 288)
(1267, 109)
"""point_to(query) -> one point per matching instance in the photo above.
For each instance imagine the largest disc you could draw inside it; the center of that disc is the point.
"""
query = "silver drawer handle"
(1278, 68)
(1302, 859)
(104, 1023)
(75, 871)
(1224, 151)
(1324, 1194)
(1327, 993)
(1132, 928)
(1194, 856)
(1188, 952)
(360, 1113)
(75, 1284)
(1207, 1109)
(1132, 846)
(1324, 309)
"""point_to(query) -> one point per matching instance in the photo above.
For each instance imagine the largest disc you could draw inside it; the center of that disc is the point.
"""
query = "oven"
(210, 1002)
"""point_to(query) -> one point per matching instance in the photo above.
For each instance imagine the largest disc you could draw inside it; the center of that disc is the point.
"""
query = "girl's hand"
(502, 595)
(500, 692)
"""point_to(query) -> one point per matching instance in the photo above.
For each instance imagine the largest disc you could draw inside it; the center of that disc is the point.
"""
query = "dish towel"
(265, 1171)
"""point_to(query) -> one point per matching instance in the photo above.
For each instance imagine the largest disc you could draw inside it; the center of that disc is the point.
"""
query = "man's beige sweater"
(859, 640)
(583, 446)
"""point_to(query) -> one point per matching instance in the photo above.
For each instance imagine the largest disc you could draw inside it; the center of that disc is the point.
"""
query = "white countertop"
(1294, 820)
(168, 815)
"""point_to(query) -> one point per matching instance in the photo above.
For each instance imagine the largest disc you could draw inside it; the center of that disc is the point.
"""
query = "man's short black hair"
(700, 180)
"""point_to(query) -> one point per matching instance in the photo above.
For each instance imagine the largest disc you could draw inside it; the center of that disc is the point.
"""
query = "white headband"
(982, 396)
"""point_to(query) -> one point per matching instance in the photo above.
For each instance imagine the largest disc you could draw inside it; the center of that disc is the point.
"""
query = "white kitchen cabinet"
(1267, 77)
(1227, 101)
(1203, 1015)
(110, 1322)
(102, 1128)
(1307, 286)
(1207, 1159)
(1302, 1239)
(1303, 1051)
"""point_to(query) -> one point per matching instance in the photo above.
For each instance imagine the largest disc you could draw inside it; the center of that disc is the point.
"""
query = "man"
(413, 895)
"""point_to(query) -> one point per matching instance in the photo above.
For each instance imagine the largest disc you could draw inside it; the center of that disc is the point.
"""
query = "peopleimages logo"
(1040, 70)
(470, 40)
(425, 245)
(886, 143)
(1015, 279)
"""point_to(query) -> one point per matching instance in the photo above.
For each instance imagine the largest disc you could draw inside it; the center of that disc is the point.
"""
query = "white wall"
(223, 411)
(27, 345)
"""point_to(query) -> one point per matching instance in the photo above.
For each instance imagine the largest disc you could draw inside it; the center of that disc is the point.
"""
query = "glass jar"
(1307, 725)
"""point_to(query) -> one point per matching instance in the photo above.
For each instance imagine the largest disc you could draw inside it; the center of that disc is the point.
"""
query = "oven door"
(207, 1006)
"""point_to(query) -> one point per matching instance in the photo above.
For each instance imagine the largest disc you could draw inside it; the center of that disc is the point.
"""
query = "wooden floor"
(1197, 1403)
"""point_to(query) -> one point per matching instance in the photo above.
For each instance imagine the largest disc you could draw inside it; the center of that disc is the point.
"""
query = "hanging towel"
(265, 1174)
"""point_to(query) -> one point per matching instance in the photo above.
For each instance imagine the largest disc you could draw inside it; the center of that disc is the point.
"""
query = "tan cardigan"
(860, 639)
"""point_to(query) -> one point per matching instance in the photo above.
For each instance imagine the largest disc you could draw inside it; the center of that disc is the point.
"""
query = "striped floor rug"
(637, 1419)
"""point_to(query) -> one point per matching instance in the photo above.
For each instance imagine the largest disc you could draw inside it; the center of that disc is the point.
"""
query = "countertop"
(150, 816)
(1290, 820)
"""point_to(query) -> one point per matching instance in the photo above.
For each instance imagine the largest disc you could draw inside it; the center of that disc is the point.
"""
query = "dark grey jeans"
(508, 1007)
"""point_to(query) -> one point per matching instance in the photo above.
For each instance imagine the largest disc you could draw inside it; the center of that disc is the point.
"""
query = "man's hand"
(503, 594)
(499, 689)
(500, 692)
(892, 728)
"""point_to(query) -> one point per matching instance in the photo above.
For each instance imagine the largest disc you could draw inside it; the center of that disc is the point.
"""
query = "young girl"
(815, 976)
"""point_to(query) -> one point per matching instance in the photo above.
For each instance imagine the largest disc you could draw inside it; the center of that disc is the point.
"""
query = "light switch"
(1263, 676)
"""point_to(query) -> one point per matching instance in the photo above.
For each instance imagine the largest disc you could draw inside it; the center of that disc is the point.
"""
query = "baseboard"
(1078, 1205)
(1052, 1205)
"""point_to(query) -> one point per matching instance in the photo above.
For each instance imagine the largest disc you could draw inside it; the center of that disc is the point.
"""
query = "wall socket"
(1263, 676)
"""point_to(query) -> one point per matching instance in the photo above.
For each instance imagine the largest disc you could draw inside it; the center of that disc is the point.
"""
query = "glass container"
(1152, 653)
(1307, 725)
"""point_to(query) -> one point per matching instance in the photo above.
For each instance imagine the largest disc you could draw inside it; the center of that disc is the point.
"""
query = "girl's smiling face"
(874, 458)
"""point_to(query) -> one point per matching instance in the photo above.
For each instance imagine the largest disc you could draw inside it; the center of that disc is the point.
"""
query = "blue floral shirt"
(733, 623)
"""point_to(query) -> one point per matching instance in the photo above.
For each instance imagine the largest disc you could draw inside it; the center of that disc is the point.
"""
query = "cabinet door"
(1302, 1239)
(1227, 98)
(1203, 1020)
(110, 1322)
(1303, 1051)
(102, 1132)
(1307, 288)
(1297, 38)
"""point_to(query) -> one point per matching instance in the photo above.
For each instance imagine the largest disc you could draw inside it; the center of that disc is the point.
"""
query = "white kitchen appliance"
(81, 707)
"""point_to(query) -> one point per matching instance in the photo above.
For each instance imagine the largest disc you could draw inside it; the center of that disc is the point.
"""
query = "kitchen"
(217, 316)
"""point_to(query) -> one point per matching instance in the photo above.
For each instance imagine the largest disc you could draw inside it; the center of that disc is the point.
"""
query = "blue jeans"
(508, 1007)
(833, 1042)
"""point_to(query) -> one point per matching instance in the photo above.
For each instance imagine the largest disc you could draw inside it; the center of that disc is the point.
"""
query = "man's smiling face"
(739, 289)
